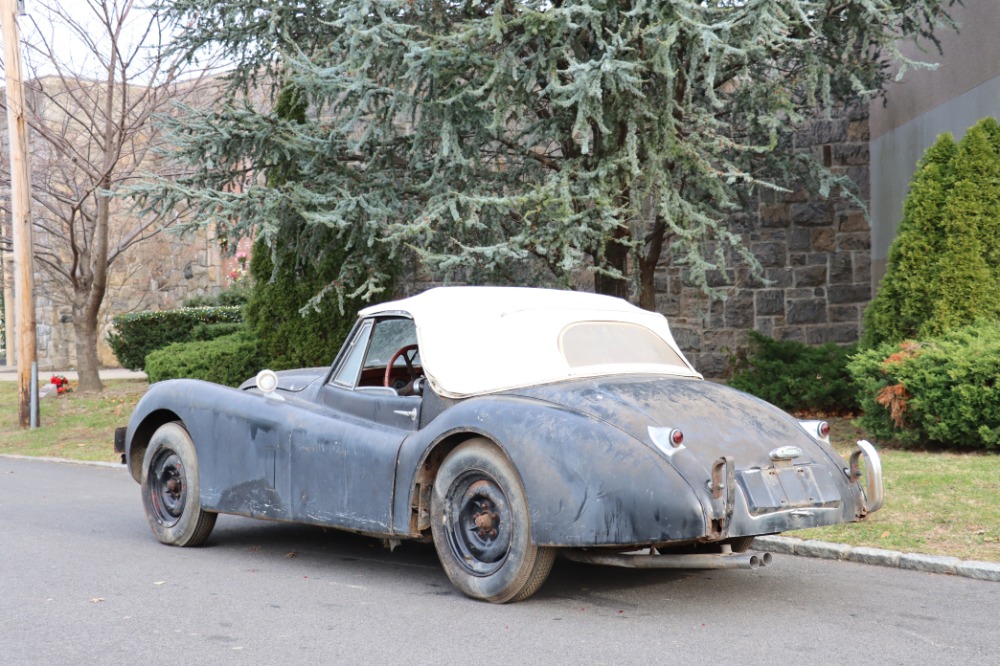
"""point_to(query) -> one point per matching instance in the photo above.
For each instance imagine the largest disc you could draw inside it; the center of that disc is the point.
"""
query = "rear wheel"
(170, 492)
(481, 526)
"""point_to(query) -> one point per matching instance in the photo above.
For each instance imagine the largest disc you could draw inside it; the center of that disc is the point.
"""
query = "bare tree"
(98, 77)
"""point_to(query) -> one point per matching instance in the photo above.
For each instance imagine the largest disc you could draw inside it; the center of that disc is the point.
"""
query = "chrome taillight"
(818, 429)
(667, 440)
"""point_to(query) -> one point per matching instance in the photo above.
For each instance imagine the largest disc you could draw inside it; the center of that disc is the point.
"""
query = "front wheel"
(170, 489)
(481, 526)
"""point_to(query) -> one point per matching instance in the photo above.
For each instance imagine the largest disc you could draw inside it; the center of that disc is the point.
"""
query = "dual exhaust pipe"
(749, 560)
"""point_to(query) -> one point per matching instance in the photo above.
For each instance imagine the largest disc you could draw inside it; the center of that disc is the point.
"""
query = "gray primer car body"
(581, 427)
(591, 473)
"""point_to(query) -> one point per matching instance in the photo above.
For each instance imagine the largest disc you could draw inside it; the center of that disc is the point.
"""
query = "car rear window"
(613, 343)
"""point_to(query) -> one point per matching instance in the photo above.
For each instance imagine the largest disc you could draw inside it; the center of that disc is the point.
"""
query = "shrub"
(139, 333)
(944, 266)
(205, 332)
(941, 390)
(236, 295)
(228, 360)
(795, 376)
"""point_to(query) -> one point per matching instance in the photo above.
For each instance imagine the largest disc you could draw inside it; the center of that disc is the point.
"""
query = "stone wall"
(158, 274)
(816, 255)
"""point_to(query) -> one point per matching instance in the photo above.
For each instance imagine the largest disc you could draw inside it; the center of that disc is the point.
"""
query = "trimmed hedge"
(236, 295)
(795, 376)
(939, 391)
(205, 332)
(229, 360)
(139, 333)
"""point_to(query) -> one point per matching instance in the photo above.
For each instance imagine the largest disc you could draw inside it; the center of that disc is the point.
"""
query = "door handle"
(412, 413)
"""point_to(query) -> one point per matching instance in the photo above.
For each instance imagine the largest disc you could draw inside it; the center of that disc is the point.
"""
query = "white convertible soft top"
(476, 340)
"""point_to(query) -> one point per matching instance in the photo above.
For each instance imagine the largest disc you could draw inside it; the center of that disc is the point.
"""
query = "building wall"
(816, 258)
(963, 89)
(158, 274)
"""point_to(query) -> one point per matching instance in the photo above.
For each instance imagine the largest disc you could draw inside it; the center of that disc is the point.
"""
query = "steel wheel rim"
(167, 487)
(478, 523)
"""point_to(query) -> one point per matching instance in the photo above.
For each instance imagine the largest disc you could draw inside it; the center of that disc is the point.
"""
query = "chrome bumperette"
(872, 482)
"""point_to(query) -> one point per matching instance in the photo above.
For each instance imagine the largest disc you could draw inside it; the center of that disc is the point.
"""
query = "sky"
(50, 20)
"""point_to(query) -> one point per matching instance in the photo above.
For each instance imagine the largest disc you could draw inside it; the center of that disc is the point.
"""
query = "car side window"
(350, 369)
(390, 336)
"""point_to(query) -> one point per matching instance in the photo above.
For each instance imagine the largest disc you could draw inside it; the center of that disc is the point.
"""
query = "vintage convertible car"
(508, 425)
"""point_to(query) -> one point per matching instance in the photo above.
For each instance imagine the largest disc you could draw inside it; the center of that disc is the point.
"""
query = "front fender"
(587, 482)
(201, 406)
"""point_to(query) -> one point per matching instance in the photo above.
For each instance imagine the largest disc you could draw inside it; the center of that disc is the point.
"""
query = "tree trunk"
(87, 365)
(647, 266)
(647, 285)
(93, 281)
(615, 257)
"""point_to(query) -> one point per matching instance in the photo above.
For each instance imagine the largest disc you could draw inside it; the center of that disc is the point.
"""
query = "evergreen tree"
(291, 333)
(906, 295)
(944, 266)
(969, 282)
(491, 136)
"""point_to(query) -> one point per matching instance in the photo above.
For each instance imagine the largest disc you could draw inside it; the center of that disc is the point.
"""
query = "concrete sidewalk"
(9, 374)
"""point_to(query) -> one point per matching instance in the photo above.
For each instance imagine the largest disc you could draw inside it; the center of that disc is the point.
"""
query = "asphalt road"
(83, 581)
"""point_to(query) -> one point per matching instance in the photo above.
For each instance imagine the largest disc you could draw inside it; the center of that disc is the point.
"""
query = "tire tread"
(544, 560)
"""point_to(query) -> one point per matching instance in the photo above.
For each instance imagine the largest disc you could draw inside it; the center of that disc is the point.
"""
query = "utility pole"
(20, 196)
(7, 261)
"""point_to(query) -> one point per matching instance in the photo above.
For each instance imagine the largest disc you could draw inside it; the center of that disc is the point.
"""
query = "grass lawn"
(936, 503)
(79, 426)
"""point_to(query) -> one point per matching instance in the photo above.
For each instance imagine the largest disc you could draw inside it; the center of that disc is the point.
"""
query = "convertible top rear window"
(612, 343)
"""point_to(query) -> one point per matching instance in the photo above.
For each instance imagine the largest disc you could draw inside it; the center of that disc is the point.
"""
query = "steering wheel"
(402, 351)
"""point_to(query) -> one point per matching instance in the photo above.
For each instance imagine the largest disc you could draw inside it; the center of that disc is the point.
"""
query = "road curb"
(65, 461)
(879, 557)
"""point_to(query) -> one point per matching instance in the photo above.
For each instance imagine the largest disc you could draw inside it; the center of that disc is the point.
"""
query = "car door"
(344, 475)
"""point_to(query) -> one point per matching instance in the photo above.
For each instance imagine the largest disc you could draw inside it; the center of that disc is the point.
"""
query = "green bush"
(205, 332)
(939, 391)
(795, 376)
(944, 266)
(236, 295)
(228, 360)
(139, 333)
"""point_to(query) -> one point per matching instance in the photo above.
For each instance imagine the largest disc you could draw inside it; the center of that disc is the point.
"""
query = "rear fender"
(587, 483)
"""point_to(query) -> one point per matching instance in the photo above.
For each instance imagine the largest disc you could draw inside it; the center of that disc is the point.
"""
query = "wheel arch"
(427, 471)
(142, 434)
